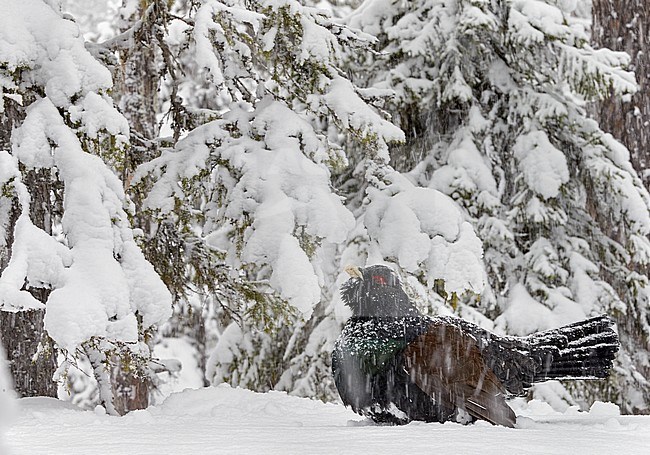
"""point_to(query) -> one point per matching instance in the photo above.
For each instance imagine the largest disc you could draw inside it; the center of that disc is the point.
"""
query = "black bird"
(395, 365)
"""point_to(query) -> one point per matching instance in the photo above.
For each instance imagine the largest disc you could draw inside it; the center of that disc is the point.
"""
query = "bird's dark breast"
(369, 370)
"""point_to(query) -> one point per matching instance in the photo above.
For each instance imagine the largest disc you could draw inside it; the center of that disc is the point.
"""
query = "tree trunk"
(624, 25)
(30, 352)
(137, 84)
(130, 387)
(32, 360)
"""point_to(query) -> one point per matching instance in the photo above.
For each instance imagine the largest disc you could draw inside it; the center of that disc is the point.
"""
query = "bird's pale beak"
(353, 271)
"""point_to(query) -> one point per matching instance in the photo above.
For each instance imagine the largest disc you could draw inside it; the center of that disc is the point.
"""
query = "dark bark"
(30, 352)
(29, 349)
(13, 209)
(130, 389)
(196, 332)
(137, 83)
(39, 185)
(624, 25)
(9, 118)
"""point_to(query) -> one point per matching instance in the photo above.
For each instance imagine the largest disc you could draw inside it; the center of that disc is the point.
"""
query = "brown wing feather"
(447, 364)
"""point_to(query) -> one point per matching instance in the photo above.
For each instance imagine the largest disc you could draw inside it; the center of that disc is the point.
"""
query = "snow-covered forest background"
(183, 182)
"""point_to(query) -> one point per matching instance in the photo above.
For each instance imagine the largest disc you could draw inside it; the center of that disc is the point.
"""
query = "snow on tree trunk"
(72, 248)
(31, 353)
(623, 25)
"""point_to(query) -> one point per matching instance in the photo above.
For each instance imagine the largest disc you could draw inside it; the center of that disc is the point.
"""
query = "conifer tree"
(492, 96)
(279, 169)
(256, 179)
(71, 253)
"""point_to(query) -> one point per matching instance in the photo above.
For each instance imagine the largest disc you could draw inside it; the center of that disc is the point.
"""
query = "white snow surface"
(223, 420)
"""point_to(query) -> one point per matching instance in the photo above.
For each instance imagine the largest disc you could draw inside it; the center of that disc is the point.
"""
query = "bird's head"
(375, 291)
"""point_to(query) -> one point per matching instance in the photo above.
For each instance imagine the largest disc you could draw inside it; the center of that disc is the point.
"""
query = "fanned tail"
(583, 350)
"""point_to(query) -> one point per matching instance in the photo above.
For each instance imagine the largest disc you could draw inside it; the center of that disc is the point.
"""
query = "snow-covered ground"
(222, 420)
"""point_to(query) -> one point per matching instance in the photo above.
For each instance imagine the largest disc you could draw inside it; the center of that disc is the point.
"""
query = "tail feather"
(583, 350)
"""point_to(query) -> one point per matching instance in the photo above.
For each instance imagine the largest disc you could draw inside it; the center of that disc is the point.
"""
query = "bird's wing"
(447, 364)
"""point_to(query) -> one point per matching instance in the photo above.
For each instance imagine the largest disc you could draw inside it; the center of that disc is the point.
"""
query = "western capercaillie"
(395, 365)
